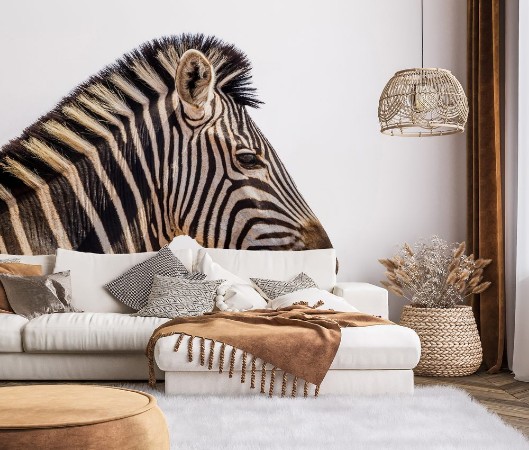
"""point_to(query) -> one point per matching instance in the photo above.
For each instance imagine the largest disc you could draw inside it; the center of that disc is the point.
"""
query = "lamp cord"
(422, 34)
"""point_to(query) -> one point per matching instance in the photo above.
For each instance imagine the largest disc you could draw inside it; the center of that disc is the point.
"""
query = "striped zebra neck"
(128, 161)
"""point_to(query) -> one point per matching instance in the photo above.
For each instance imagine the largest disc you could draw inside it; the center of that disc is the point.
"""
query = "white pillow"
(235, 294)
(312, 296)
(91, 271)
(238, 297)
(214, 271)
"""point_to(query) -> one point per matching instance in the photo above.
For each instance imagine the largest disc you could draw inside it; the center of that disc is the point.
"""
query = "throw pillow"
(271, 289)
(312, 297)
(133, 287)
(176, 297)
(215, 271)
(14, 269)
(33, 296)
(238, 297)
(234, 295)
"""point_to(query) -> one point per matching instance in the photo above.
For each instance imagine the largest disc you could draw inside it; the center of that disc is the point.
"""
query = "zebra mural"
(156, 145)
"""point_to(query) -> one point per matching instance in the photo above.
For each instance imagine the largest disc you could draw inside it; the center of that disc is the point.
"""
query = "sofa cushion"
(90, 272)
(320, 265)
(11, 326)
(89, 332)
(46, 261)
(361, 348)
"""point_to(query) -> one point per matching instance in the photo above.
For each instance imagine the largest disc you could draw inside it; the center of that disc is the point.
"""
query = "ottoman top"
(68, 405)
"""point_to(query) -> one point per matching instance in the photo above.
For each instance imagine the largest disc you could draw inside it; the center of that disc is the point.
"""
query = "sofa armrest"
(367, 298)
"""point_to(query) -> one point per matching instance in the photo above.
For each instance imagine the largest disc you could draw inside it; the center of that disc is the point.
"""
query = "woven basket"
(450, 344)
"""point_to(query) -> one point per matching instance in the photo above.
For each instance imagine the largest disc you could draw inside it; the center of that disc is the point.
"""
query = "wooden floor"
(500, 393)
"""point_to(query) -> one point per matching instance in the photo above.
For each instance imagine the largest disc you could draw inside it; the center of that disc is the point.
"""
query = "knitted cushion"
(133, 287)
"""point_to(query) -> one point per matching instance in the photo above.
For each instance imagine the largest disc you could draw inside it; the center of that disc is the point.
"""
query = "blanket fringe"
(306, 389)
(211, 355)
(304, 303)
(221, 358)
(202, 351)
(178, 342)
(190, 349)
(272, 382)
(263, 378)
(232, 362)
(284, 384)
(243, 371)
(254, 368)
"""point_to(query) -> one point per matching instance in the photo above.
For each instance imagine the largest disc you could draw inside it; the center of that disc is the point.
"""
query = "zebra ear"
(195, 79)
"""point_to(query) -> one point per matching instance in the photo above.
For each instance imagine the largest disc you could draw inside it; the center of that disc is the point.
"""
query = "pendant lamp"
(422, 102)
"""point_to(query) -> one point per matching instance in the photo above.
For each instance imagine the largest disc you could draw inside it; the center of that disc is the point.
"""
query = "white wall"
(319, 66)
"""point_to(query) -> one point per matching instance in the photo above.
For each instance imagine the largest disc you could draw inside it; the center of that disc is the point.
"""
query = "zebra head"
(157, 144)
(241, 195)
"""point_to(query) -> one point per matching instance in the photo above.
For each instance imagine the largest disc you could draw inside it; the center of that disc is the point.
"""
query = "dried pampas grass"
(434, 274)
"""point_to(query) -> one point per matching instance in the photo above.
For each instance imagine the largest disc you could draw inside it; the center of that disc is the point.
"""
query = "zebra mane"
(35, 156)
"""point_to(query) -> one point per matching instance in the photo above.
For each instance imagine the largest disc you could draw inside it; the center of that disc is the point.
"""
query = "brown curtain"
(484, 176)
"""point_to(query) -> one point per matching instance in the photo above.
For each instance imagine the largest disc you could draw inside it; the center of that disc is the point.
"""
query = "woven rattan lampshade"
(422, 102)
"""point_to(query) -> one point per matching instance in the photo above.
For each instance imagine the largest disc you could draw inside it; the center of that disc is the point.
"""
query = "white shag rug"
(433, 418)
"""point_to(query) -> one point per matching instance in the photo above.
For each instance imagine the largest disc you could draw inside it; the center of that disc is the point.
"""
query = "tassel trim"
(272, 381)
(211, 355)
(244, 366)
(263, 378)
(232, 362)
(202, 351)
(221, 359)
(190, 349)
(284, 385)
(252, 380)
(243, 369)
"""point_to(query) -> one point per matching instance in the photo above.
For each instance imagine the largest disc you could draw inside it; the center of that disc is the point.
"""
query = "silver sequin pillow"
(32, 296)
(271, 289)
(177, 297)
(132, 288)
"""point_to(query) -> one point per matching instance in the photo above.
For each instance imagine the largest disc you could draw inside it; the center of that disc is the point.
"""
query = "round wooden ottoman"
(73, 416)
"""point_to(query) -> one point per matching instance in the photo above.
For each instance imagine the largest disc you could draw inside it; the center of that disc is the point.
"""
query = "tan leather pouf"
(80, 417)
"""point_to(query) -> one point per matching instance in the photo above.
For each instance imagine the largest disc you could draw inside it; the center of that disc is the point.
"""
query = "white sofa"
(106, 343)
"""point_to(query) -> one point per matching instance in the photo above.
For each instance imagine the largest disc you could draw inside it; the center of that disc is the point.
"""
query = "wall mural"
(156, 145)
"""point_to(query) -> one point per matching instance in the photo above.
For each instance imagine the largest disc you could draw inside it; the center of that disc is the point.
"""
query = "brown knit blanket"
(297, 340)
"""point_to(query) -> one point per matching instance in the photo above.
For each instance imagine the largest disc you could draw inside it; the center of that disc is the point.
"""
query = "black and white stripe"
(156, 145)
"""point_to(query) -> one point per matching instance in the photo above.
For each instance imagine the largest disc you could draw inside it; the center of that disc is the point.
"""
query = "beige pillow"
(15, 269)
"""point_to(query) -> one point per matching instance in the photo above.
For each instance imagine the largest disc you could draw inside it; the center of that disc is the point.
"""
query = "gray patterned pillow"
(271, 289)
(32, 296)
(177, 297)
(132, 288)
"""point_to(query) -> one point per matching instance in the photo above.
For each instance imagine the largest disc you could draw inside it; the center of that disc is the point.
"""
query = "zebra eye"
(248, 160)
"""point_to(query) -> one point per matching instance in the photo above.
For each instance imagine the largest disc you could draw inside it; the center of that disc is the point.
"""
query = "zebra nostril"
(314, 236)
